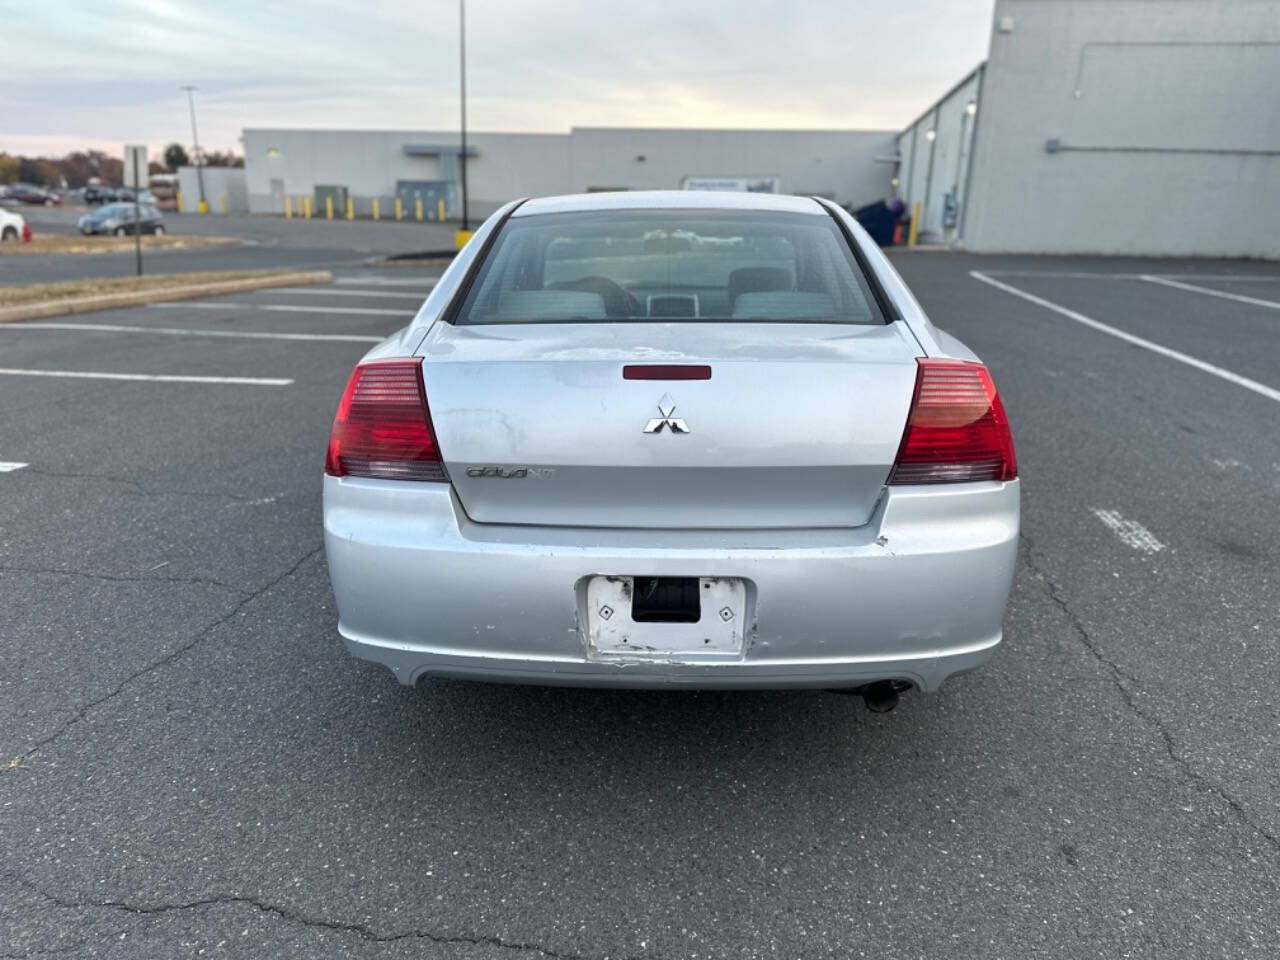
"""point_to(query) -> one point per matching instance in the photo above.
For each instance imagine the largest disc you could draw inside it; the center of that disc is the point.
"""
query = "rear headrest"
(757, 280)
(518, 305)
(783, 305)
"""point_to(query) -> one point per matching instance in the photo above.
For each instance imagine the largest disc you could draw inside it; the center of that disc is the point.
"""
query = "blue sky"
(102, 74)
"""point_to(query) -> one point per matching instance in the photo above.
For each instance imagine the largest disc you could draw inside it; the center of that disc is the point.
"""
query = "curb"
(133, 298)
(420, 255)
(922, 248)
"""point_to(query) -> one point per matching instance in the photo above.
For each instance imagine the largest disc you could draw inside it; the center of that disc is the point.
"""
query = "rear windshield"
(670, 266)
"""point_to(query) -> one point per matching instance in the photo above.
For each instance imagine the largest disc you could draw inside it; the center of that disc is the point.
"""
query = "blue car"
(118, 219)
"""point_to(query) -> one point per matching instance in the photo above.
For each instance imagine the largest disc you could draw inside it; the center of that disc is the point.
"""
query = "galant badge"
(666, 407)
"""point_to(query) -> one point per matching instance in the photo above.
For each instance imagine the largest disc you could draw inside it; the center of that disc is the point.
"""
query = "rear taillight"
(956, 431)
(383, 427)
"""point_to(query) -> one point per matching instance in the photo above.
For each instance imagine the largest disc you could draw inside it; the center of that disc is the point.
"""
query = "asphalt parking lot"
(265, 242)
(190, 765)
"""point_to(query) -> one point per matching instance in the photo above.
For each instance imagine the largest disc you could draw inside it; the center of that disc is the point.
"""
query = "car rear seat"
(758, 280)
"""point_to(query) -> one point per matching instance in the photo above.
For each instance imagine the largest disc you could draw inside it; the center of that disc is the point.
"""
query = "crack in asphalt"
(1118, 678)
(111, 578)
(361, 930)
(83, 711)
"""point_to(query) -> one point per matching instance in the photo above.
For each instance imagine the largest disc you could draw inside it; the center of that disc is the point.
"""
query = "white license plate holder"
(613, 634)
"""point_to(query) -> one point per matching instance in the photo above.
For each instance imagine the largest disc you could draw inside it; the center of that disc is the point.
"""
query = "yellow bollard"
(460, 238)
(222, 202)
(351, 208)
(306, 207)
(328, 207)
(178, 197)
(914, 230)
(399, 209)
(440, 211)
(288, 207)
(417, 203)
(202, 206)
(375, 209)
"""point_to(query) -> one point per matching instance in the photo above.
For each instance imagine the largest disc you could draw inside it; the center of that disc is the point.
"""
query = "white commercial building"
(1145, 127)
(851, 167)
(223, 188)
(1108, 126)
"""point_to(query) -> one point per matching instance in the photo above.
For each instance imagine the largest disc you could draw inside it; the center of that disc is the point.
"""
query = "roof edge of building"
(934, 105)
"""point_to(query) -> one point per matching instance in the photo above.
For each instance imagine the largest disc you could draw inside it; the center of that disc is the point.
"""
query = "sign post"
(135, 169)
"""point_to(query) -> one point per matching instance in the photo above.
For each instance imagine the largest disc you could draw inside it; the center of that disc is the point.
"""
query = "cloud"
(112, 72)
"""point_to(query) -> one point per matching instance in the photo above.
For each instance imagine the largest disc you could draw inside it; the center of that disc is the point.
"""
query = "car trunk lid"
(797, 425)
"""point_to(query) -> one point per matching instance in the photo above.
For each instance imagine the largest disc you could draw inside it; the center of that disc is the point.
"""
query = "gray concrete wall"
(218, 182)
(840, 164)
(1166, 112)
(370, 162)
(935, 167)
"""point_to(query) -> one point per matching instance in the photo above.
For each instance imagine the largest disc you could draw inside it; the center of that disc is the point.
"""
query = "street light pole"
(195, 144)
(462, 62)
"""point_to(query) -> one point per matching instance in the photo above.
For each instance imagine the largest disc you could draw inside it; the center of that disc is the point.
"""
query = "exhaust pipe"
(882, 696)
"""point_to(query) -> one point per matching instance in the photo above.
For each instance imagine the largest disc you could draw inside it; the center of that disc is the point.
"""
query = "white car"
(12, 226)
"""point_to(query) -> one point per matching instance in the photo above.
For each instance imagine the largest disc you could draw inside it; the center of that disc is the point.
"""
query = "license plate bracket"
(660, 627)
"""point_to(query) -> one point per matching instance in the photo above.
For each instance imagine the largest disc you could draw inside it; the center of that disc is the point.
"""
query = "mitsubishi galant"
(672, 439)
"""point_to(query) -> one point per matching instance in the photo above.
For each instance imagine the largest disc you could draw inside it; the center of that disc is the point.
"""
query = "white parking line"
(8, 466)
(1102, 275)
(388, 281)
(372, 294)
(1063, 274)
(1192, 288)
(180, 332)
(1228, 277)
(281, 308)
(152, 377)
(1130, 532)
(1271, 393)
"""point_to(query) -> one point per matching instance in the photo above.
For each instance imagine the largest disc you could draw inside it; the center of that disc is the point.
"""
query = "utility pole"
(462, 61)
(195, 145)
(137, 215)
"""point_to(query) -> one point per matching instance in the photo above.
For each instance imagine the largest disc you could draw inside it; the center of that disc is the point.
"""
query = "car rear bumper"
(916, 594)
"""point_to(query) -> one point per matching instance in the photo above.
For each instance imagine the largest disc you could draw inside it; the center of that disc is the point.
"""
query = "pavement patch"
(1130, 532)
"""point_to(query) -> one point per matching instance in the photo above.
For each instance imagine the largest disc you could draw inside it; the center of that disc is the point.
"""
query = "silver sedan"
(672, 439)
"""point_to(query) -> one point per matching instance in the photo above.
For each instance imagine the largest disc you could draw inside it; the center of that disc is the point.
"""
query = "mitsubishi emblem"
(666, 407)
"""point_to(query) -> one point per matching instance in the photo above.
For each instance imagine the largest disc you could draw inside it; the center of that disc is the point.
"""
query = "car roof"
(668, 200)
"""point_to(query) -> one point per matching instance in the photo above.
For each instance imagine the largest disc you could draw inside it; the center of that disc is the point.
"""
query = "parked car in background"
(164, 188)
(104, 193)
(13, 228)
(28, 193)
(118, 219)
